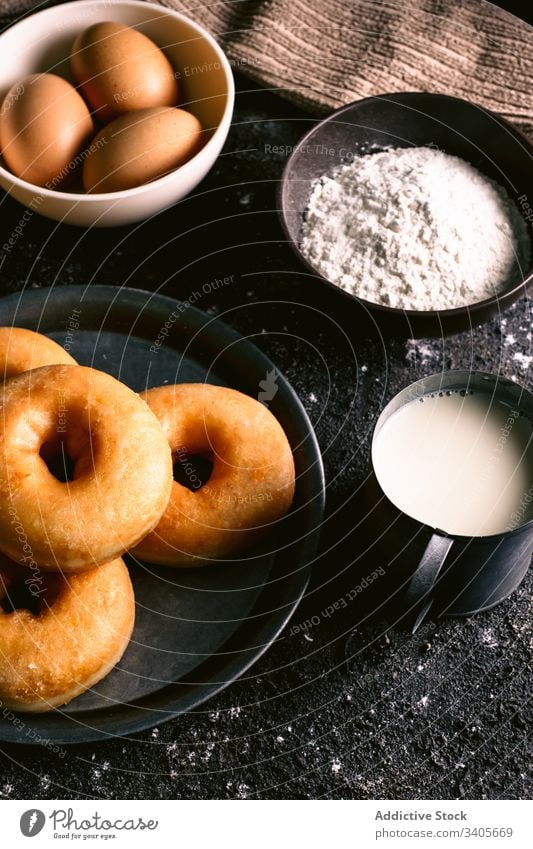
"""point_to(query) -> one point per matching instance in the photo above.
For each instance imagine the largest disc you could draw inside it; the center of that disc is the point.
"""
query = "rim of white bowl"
(81, 197)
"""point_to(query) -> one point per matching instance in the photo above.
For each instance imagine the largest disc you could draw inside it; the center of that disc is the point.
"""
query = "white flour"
(414, 228)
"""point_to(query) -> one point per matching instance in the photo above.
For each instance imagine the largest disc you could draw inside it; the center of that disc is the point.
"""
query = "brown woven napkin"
(324, 53)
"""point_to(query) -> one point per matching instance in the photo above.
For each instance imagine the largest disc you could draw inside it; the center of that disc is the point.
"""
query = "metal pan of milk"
(453, 454)
(465, 464)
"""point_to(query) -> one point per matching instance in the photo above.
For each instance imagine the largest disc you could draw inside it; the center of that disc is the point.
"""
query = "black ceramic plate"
(196, 630)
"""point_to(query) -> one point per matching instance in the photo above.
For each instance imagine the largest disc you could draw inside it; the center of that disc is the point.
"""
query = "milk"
(458, 461)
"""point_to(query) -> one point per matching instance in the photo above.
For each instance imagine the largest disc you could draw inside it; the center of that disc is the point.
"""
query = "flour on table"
(414, 228)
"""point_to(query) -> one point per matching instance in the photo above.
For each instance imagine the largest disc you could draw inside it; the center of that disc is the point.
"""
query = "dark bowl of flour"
(412, 212)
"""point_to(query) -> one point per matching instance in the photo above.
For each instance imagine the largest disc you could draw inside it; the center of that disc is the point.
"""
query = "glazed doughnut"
(251, 483)
(78, 630)
(22, 350)
(85, 469)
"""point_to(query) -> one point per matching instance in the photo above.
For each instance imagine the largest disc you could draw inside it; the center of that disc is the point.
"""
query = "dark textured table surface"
(348, 705)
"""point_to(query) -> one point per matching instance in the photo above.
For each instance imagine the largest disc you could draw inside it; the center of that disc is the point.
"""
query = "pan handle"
(418, 597)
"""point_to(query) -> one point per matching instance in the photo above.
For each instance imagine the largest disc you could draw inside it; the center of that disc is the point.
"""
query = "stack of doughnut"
(87, 475)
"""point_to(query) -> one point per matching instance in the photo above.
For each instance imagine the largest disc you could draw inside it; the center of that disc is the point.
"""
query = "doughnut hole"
(200, 454)
(27, 589)
(192, 470)
(67, 447)
(60, 464)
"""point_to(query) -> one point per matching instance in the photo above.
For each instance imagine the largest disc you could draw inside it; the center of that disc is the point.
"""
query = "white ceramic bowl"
(42, 42)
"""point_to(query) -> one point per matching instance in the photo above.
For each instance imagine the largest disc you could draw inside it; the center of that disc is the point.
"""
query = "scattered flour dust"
(414, 228)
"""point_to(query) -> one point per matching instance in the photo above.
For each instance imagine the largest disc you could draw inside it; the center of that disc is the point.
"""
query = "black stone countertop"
(350, 706)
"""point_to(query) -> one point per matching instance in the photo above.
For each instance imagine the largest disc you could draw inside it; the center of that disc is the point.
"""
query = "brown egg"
(120, 70)
(140, 146)
(44, 124)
